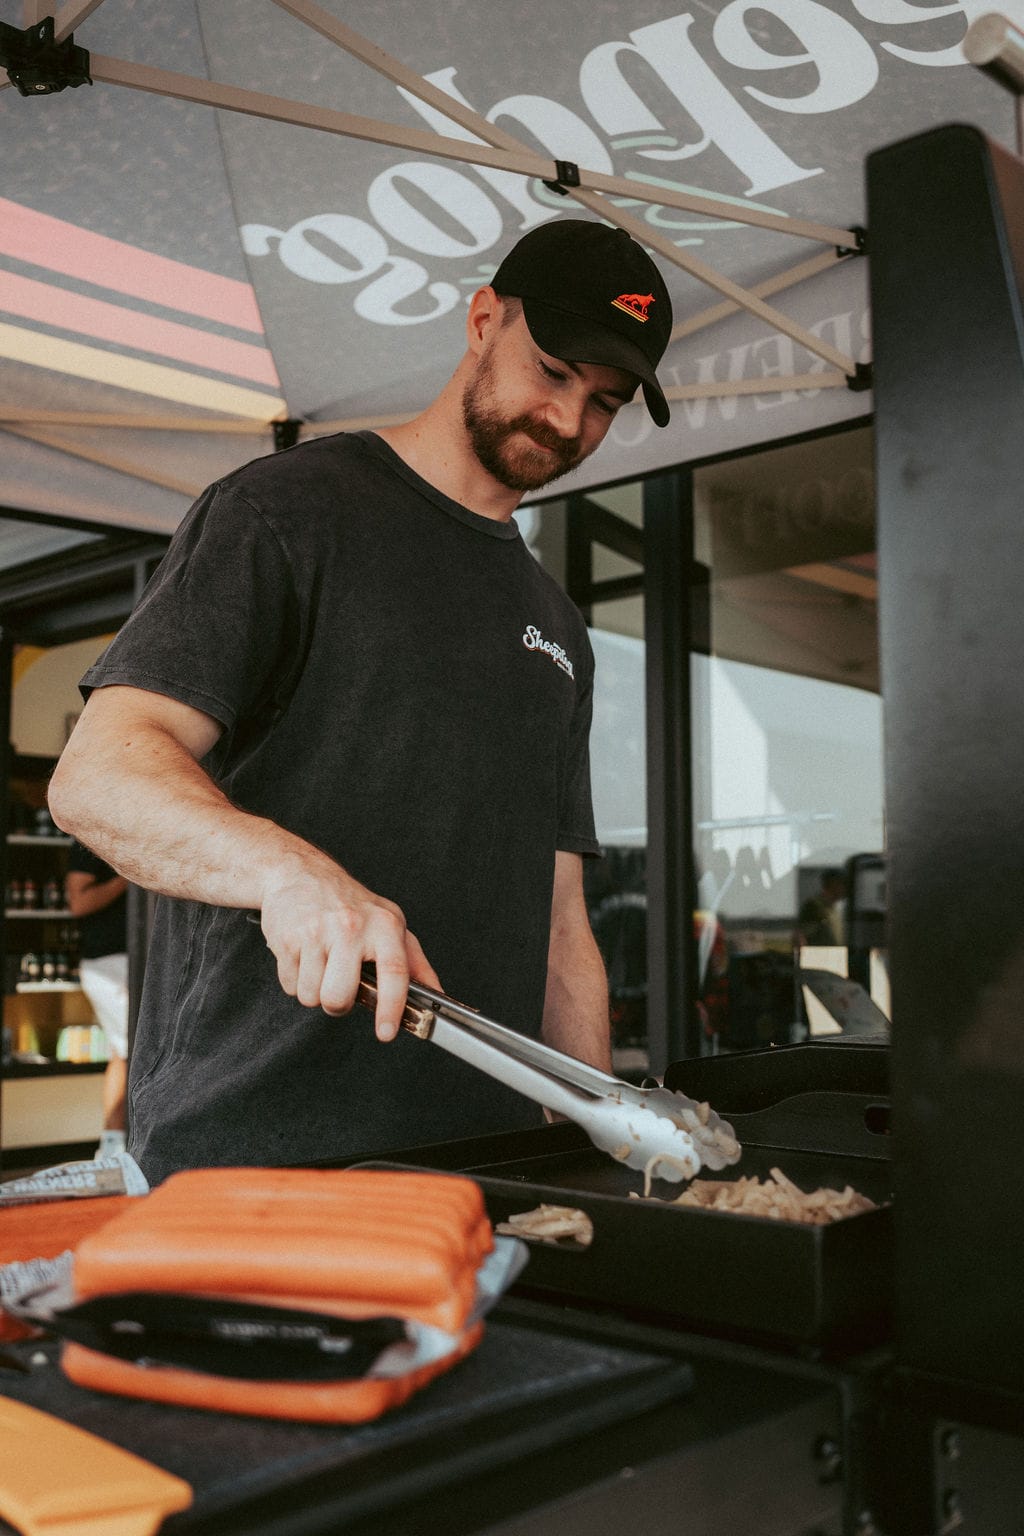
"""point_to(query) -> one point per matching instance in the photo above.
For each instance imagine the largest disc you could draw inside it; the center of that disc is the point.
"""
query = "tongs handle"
(535, 1070)
(425, 1006)
(418, 1021)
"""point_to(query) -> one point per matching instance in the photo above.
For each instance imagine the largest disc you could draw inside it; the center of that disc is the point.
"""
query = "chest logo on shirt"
(534, 641)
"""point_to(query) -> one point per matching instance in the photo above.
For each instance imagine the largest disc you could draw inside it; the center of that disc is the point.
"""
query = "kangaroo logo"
(635, 304)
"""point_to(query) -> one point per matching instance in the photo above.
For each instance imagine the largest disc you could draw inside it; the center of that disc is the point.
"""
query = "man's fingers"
(287, 968)
(309, 981)
(392, 988)
(339, 981)
(320, 956)
(420, 968)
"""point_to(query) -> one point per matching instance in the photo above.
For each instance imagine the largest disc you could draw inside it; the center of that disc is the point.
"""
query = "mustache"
(546, 436)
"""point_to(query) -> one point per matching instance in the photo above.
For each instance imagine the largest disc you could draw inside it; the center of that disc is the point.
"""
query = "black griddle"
(820, 1113)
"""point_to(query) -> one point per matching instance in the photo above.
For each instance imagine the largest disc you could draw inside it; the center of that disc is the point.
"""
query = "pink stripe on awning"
(62, 247)
(52, 305)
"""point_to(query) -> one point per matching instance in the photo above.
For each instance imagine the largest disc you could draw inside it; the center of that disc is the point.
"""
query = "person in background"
(96, 897)
(348, 724)
(820, 922)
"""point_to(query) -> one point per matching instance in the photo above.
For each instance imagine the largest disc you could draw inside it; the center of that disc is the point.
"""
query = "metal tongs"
(662, 1133)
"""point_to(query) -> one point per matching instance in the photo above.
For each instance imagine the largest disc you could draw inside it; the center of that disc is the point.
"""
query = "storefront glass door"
(789, 819)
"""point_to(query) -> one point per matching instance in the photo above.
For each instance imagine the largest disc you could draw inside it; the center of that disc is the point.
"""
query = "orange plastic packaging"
(356, 1242)
(46, 1229)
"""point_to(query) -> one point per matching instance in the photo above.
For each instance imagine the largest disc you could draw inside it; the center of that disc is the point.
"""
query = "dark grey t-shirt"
(401, 684)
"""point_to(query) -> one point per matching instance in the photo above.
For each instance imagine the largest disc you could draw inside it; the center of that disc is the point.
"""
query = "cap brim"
(578, 340)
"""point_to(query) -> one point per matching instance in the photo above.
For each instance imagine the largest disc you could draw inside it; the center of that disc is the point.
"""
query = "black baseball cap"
(591, 294)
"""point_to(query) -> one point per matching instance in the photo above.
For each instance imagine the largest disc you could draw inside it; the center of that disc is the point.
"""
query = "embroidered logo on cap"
(635, 304)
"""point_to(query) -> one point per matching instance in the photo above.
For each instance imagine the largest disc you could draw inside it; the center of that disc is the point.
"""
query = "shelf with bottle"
(38, 840)
(49, 971)
(39, 914)
(32, 824)
(48, 986)
(41, 942)
(52, 1048)
(36, 869)
(39, 969)
(38, 894)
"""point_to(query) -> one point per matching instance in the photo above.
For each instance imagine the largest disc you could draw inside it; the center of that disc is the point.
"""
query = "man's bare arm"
(129, 785)
(576, 1000)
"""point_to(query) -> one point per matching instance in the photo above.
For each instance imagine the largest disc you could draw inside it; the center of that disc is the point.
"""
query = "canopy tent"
(263, 217)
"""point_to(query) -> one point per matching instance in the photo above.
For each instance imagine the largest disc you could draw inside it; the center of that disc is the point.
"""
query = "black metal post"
(578, 556)
(672, 1028)
(947, 218)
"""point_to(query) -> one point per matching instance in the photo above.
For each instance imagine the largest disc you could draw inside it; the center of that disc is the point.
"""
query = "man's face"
(531, 417)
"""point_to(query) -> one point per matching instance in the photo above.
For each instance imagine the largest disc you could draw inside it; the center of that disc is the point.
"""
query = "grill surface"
(820, 1114)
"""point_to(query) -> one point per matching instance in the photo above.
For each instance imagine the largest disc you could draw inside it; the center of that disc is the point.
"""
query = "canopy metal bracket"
(37, 64)
(286, 433)
(860, 243)
(567, 174)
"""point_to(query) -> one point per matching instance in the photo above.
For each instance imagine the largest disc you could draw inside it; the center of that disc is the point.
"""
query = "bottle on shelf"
(29, 894)
(28, 1039)
(31, 967)
(14, 895)
(44, 826)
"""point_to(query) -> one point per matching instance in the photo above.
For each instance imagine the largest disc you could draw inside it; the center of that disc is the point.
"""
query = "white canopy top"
(259, 212)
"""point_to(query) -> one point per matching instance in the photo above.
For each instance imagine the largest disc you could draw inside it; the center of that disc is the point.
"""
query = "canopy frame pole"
(499, 150)
(15, 417)
(512, 156)
(367, 52)
(106, 461)
(231, 427)
(315, 17)
(787, 279)
(70, 15)
(22, 421)
(584, 186)
(190, 88)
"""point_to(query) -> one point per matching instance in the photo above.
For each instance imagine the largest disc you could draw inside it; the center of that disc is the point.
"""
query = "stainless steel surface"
(638, 1126)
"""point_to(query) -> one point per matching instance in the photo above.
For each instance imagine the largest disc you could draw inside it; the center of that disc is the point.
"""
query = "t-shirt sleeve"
(216, 627)
(576, 814)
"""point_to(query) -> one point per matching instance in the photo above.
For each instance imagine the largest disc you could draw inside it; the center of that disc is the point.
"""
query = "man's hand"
(130, 786)
(322, 926)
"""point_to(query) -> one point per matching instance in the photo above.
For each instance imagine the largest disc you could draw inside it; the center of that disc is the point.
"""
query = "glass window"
(609, 530)
(789, 830)
(592, 544)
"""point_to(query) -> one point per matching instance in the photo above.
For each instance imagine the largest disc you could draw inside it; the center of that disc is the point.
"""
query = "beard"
(519, 452)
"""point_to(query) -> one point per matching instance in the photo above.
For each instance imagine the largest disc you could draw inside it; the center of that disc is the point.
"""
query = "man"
(820, 919)
(96, 897)
(351, 701)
